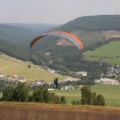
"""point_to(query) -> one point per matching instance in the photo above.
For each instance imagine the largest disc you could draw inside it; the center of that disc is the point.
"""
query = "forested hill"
(14, 50)
(38, 28)
(15, 34)
(93, 23)
(22, 33)
(94, 31)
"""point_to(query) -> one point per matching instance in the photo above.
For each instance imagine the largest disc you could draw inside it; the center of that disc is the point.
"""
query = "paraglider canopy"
(69, 36)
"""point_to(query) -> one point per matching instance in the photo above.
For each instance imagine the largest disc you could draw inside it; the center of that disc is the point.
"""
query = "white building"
(108, 81)
(68, 87)
(51, 70)
(51, 89)
(1, 75)
(40, 82)
(83, 73)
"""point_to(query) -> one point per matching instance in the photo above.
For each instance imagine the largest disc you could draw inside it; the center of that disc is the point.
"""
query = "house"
(1, 75)
(51, 89)
(11, 78)
(98, 81)
(108, 81)
(68, 87)
(40, 82)
(51, 70)
(83, 73)
(21, 79)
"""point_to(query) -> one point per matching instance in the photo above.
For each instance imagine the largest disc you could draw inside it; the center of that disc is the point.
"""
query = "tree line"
(21, 93)
(89, 98)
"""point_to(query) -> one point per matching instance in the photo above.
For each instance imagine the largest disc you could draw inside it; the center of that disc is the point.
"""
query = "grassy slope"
(111, 49)
(12, 66)
(110, 93)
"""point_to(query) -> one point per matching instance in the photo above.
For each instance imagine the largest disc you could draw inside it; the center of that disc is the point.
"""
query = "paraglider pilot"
(56, 82)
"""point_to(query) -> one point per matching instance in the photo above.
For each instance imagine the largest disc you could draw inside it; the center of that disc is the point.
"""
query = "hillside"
(90, 29)
(15, 34)
(38, 28)
(109, 53)
(13, 66)
(14, 50)
(22, 33)
(94, 31)
(93, 23)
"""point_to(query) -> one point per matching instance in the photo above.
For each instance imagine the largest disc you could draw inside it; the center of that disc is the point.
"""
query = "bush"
(19, 93)
(75, 102)
(100, 100)
(90, 98)
(63, 100)
(8, 94)
(85, 95)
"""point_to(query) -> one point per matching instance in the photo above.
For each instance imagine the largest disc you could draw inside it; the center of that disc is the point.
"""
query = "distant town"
(108, 78)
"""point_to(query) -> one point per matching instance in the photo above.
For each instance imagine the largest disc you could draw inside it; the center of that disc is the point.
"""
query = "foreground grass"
(12, 66)
(110, 93)
(37, 111)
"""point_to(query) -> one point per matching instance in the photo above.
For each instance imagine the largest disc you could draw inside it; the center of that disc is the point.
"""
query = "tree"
(85, 95)
(41, 95)
(90, 98)
(100, 100)
(20, 92)
(29, 66)
(57, 100)
(46, 96)
(63, 100)
(75, 102)
(54, 98)
(93, 98)
(38, 95)
(7, 94)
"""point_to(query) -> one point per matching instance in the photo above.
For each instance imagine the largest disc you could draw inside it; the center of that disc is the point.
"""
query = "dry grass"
(37, 111)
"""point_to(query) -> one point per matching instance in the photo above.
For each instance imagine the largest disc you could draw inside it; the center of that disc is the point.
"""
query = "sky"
(54, 11)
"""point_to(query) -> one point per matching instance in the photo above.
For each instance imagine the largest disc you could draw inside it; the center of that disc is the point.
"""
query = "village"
(108, 78)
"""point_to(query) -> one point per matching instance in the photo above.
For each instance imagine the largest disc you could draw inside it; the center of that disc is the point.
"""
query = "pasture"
(13, 66)
(111, 94)
(109, 53)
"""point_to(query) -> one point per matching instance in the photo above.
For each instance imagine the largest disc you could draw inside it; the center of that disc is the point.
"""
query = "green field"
(12, 66)
(109, 53)
(111, 94)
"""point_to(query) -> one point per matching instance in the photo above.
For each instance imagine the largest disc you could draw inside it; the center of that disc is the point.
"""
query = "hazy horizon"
(54, 11)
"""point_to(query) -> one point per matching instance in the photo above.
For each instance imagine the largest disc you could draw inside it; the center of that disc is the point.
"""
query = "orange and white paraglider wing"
(78, 43)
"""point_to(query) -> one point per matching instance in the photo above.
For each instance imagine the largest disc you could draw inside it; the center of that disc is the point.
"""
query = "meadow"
(109, 53)
(110, 92)
(13, 66)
